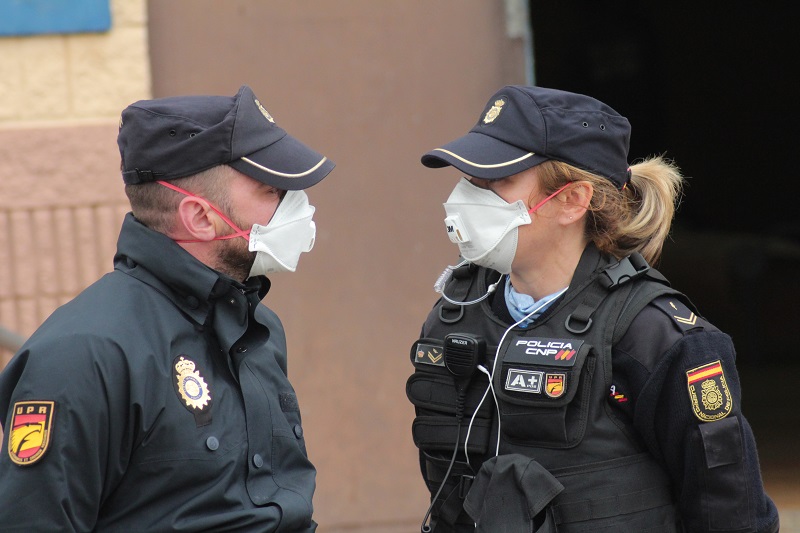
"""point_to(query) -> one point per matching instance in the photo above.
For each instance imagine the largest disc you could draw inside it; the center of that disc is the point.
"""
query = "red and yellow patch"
(556, 385)
(31, 425)
(708, 392)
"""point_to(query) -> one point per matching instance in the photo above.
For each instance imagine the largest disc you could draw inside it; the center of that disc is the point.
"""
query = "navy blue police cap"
(176, 137)
(521, 127)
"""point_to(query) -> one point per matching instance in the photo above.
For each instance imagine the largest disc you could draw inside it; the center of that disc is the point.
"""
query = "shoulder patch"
(31, 427)
(683, 317)
(708, 392)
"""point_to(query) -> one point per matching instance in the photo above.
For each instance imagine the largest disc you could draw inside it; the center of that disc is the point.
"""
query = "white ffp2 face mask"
(484, 226)
(288, 234)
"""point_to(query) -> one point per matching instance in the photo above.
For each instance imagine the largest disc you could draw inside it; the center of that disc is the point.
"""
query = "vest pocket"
(543, 389)
(630, 493)
(436, 433)
(432, 391)
(436, 394)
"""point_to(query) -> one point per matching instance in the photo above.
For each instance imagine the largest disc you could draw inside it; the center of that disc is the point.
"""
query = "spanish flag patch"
(708, 392)
(31, 426)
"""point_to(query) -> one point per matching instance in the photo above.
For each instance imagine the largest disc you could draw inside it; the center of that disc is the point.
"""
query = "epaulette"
(684, 318)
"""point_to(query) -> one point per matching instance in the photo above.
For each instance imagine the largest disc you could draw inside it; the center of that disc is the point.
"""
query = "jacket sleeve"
(62, 485)
(688, 412)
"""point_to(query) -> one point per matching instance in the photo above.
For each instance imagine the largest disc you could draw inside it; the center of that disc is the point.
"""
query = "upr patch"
(31, 427)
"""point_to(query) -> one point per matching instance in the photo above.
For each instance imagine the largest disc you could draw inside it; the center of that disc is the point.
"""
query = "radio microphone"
(462, 354)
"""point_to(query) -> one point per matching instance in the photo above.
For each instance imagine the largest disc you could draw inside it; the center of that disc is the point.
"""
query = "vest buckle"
(625, 270)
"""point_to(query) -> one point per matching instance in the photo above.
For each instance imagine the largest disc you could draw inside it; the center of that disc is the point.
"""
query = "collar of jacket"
(590, 262)
(157, 260)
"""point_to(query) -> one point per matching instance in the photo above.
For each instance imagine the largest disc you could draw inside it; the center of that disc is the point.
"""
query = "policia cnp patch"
(708, 392)
(31, 426)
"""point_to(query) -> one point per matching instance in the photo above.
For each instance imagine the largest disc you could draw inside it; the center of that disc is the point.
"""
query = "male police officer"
(158, 399)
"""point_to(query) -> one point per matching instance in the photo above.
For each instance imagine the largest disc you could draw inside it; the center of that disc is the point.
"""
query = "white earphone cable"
(491, 375)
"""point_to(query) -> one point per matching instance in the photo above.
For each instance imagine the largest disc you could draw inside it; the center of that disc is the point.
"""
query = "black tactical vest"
(569, 461)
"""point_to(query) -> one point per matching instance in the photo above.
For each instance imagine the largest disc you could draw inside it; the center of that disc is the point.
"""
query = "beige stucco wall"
(60, 193)
(372, 84)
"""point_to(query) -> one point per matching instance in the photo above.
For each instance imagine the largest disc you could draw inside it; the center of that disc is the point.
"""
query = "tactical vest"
(577, 465)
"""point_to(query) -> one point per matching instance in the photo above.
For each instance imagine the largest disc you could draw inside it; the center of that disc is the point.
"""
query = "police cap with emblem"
(521, 127)
(175, 137)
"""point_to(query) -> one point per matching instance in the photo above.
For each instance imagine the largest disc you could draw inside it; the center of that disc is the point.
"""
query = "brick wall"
(61, 197)
(69, 78)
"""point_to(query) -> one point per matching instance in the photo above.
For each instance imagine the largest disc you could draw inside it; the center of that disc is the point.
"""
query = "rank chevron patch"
(683, 317)
(429, 354)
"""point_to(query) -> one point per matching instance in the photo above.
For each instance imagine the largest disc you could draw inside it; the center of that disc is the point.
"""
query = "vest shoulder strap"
(609, 279)
(458, 287)
(653, 285)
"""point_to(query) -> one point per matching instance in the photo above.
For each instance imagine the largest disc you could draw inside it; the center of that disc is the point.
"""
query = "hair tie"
(627, 178)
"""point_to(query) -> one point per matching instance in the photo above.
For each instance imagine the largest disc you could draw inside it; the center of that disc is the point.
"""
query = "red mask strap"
(540, 204)
(239, 232)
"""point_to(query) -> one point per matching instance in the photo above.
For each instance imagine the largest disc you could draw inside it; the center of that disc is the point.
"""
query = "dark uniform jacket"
(632, 423)
(156, 400)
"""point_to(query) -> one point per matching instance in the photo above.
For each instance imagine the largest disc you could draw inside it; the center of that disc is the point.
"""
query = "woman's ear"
(575, 201)
(195, 220)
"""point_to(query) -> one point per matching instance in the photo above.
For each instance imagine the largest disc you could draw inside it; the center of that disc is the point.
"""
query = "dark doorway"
(713, 87)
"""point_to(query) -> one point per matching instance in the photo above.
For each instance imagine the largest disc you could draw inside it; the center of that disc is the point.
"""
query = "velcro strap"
(434, 472)
(136, 176)
(439, 433)
(452, 509)
(615, 505)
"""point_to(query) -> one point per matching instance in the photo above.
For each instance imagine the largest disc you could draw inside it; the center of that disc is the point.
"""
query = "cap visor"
(287, 164)
(482, 156)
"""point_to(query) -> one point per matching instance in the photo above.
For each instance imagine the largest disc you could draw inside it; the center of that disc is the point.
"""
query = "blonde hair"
(636, 219)
(155, 205)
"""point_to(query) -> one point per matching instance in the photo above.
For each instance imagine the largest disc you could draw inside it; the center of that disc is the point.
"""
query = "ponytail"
(636, 219)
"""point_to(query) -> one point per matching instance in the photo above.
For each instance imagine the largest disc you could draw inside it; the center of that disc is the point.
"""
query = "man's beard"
(234, 259)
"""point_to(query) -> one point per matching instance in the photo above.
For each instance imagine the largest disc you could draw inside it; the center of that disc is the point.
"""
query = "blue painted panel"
(32, 17)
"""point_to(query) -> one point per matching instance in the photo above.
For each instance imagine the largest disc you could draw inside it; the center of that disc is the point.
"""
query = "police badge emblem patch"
(192, 390)
(191, 386)
(708, 392)
(264, 111)
(31, 426)
(494, 111)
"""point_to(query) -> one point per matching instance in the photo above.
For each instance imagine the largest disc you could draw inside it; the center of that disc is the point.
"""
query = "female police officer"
(560, 383)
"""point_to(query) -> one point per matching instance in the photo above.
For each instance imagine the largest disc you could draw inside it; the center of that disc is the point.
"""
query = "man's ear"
(196, 220)
(576, 199)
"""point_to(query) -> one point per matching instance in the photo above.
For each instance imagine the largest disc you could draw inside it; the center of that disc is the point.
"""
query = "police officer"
(560, 383)
(158, 399)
